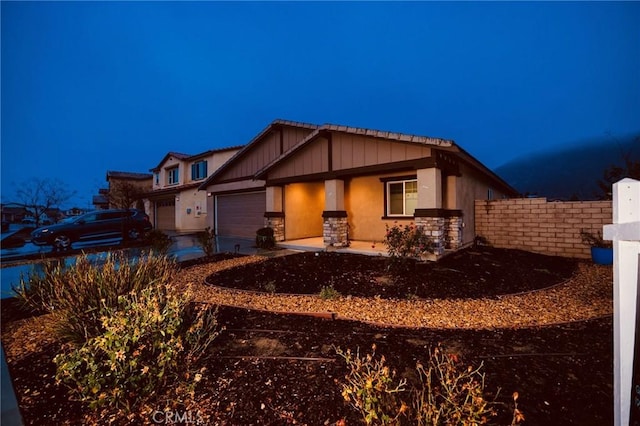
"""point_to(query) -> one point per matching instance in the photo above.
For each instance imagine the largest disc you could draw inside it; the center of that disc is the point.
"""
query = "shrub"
(75, 296)
(265, 239)
(329, 292)
(446, 392)
(594, 239)
(371, 388)
(449, 392)
(407, 242)
(158, 240)
(150, 338)
(207, 241)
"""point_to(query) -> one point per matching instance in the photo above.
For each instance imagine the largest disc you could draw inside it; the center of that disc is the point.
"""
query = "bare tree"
(39, 195)
(125, 195)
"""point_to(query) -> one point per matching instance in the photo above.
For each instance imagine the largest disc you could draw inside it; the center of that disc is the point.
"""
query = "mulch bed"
(470, 273)
(272, 369)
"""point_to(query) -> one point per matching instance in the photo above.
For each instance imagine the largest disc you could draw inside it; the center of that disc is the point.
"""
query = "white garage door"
(166, 215)
(240, 215)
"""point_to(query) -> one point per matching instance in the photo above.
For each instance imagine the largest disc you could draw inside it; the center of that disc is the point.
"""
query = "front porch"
(368, 248)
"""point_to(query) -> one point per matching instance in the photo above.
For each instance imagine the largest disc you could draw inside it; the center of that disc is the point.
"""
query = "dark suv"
(103, 224)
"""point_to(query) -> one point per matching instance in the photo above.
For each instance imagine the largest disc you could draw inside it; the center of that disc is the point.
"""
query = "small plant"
(446, 392)
(207, 241)
(406, 242)
(372, 388)
(158, 240)
(265, 238)
(449, 392)
(329, 293)
(594, 239)
(270, 287)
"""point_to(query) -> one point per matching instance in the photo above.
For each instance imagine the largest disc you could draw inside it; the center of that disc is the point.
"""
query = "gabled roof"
(212, 151)
(400, 137)
(252, 143)
(189, 157)
(446, 144)
(177, 155)
(128, 175)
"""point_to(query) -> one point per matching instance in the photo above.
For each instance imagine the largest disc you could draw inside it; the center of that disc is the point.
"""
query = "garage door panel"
(240, 215)
(166, 215)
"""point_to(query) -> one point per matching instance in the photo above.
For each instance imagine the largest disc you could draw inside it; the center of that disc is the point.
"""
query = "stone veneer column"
(453, 229)
(335, 228)
(435, 228)
(274, 214)
(275, 221)
(443, 226)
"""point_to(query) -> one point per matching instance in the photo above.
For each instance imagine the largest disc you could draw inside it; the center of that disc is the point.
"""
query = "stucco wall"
(196, 201)
(534, 224)
(303, 207)
(364, 202)
(469, 188)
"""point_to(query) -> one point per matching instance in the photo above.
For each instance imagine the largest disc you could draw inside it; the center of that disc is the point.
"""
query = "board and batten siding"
(271, 147)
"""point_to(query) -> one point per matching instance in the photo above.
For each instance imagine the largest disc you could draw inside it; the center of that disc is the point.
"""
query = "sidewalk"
(10, 413)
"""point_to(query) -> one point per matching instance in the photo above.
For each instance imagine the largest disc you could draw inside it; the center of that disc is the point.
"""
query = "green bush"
(158, 240)
(75, 296)
(207, 241)
(265, 238)
(150, 339)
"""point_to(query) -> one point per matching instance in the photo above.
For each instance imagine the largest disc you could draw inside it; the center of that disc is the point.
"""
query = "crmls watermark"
(187, 417)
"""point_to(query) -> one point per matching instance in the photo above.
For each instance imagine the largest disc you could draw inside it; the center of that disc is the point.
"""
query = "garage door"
(166, 215)
(240, 215)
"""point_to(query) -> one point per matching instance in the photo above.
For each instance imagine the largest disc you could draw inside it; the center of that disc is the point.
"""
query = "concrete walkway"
(9, 411)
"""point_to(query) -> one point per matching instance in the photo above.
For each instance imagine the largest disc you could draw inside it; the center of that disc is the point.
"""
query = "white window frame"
(404, 197)
(170, 177)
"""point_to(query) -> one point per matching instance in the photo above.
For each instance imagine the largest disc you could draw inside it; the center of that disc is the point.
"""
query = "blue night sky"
(89, 87)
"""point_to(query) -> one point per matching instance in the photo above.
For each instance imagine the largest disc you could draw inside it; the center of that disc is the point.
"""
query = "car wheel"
(61, 242)
(133, 234)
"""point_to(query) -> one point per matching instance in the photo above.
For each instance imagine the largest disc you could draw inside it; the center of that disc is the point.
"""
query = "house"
(101, 201)
(13, 212)
(345, 183)
(174, 202)
(126, 189)
(237, 198)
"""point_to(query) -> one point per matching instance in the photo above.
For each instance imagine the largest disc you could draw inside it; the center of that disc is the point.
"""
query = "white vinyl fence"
(625, 233)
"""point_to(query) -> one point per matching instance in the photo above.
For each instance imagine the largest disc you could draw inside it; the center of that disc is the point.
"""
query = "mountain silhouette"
(571, 173)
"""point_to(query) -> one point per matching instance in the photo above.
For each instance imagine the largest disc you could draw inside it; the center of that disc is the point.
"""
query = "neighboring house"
(101, 201)
(126, 188)
(345, 183)
(12, 212)
(175, 204)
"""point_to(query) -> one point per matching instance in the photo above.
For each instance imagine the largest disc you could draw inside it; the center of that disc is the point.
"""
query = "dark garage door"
(240, 215)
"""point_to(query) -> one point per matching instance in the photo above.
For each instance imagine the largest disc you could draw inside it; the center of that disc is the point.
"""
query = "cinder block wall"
(534, 224)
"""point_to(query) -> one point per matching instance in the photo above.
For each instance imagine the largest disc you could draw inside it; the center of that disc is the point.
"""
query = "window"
(402, 197)
(199, 170)
(490, 194)
(156, 177)
(173, 177)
